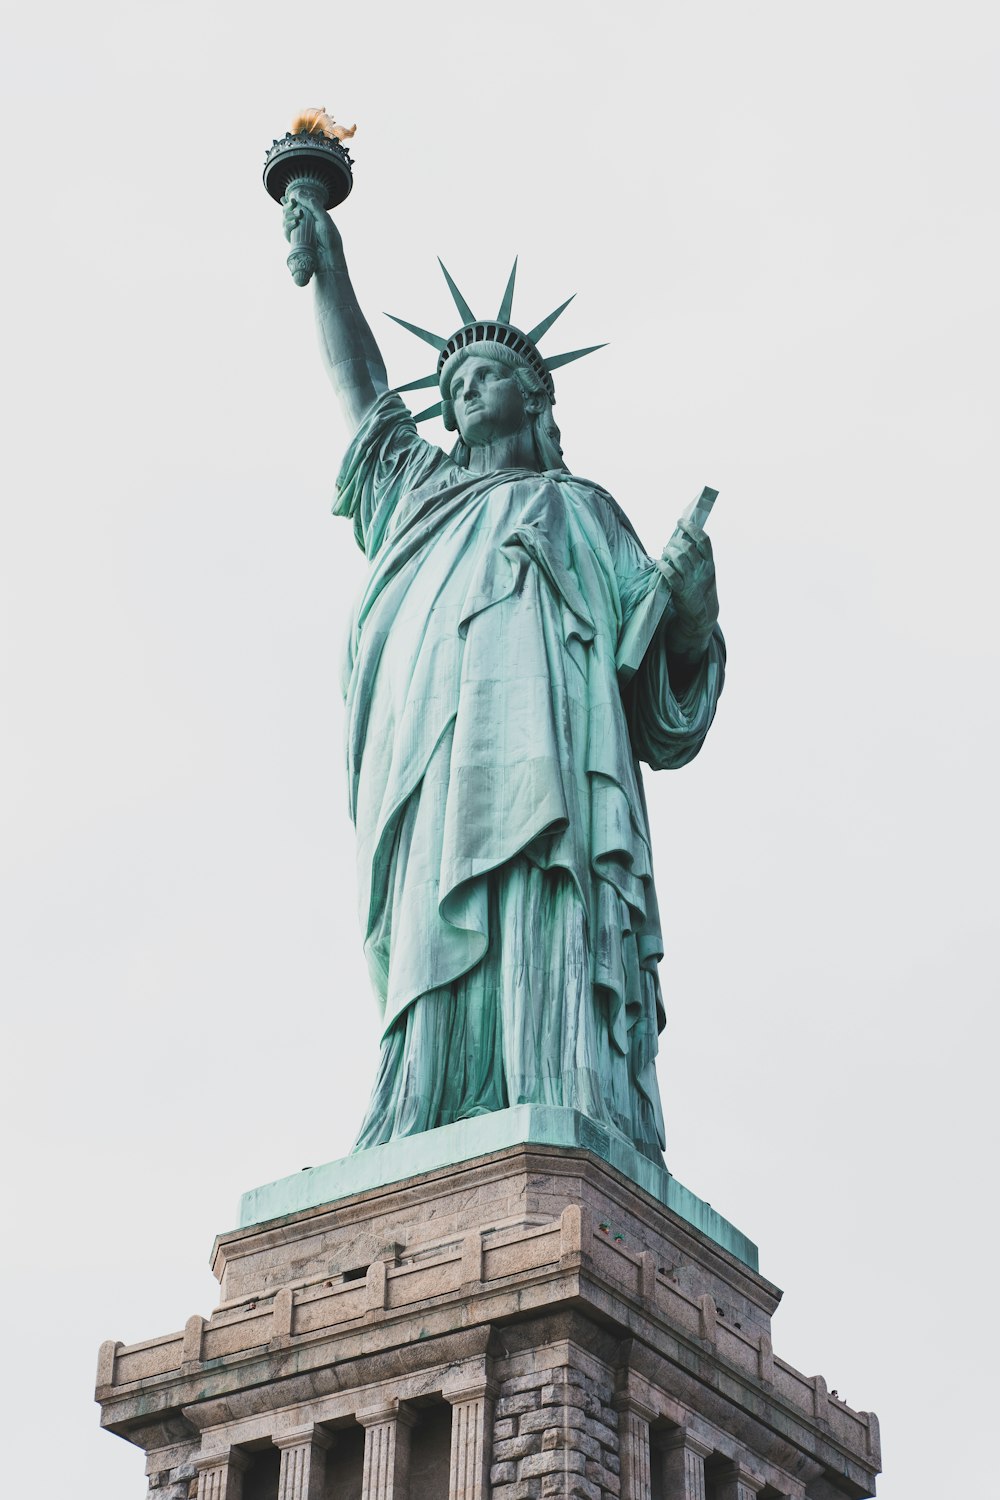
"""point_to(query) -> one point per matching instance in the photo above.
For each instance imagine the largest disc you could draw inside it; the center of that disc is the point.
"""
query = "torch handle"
(303, 259)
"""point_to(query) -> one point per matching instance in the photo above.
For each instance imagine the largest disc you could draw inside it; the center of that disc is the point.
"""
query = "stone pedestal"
(523, 1325)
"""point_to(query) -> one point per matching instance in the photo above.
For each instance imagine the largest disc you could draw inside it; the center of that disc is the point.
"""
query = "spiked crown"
(498, 330)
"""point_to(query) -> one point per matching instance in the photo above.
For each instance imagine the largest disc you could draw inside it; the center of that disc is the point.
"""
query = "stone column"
(471, 1440)
(633, 1435)
(387, 1452)
(737, 1482)
(303, 1462)
(220, 1475)
(684, 1467)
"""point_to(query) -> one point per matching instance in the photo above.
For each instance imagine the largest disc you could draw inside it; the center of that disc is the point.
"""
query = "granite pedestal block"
(526, 1324)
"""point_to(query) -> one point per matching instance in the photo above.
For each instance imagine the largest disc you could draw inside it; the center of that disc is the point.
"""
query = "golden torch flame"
(318, 122)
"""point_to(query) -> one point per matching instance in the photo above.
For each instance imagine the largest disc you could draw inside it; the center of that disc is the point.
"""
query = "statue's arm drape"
(385, 461)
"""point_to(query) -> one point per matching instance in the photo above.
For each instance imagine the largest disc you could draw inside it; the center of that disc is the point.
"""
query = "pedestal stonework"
(528, 1323)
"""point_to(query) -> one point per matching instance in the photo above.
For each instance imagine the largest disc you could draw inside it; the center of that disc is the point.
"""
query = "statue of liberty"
(514, 655)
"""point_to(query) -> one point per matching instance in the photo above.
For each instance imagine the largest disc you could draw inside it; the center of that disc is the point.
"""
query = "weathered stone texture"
(530, 1327)
(557, 1433)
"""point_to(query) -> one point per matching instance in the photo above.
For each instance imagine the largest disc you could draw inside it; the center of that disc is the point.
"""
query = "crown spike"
(567, 359)
(508, 297)
(428, 412)
(465, 311)
(421, 333)
(546, 323)
(423, 384)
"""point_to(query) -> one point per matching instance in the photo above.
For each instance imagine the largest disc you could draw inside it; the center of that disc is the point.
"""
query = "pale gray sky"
(783, 218)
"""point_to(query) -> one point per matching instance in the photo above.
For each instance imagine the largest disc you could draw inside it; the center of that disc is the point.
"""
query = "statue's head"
(489, 391)
(513, 379)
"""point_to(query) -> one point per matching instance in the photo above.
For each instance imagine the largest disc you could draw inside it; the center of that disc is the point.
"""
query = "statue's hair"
(548, 444)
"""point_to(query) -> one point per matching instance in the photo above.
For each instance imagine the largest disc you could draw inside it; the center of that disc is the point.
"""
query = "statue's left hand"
(689, 567)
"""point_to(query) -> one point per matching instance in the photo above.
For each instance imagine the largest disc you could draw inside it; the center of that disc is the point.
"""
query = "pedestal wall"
(528, 1325)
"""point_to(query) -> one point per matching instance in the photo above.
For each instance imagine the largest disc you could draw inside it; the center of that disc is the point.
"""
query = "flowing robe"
(506, 671)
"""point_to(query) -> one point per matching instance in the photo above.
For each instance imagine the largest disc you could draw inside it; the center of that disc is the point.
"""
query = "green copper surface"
(467, 1139)
(514, 656)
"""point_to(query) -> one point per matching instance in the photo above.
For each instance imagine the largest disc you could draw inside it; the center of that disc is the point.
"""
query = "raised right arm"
(350, 353)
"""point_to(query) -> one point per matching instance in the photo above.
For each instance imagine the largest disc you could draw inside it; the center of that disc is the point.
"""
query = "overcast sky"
(783, 219)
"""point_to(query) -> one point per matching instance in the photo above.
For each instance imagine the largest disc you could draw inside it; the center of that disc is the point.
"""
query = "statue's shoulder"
(604, 504)
(387, 436)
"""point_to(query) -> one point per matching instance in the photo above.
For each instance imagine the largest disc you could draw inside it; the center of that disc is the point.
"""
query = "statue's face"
(488, 401)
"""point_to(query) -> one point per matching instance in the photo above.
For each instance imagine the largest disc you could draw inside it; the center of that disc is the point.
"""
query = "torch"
(310, 163)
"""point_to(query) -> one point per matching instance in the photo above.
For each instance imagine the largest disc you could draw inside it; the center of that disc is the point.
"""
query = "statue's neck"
(514, 452)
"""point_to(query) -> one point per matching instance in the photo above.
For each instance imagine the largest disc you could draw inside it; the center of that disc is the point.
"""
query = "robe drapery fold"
(505, 672)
